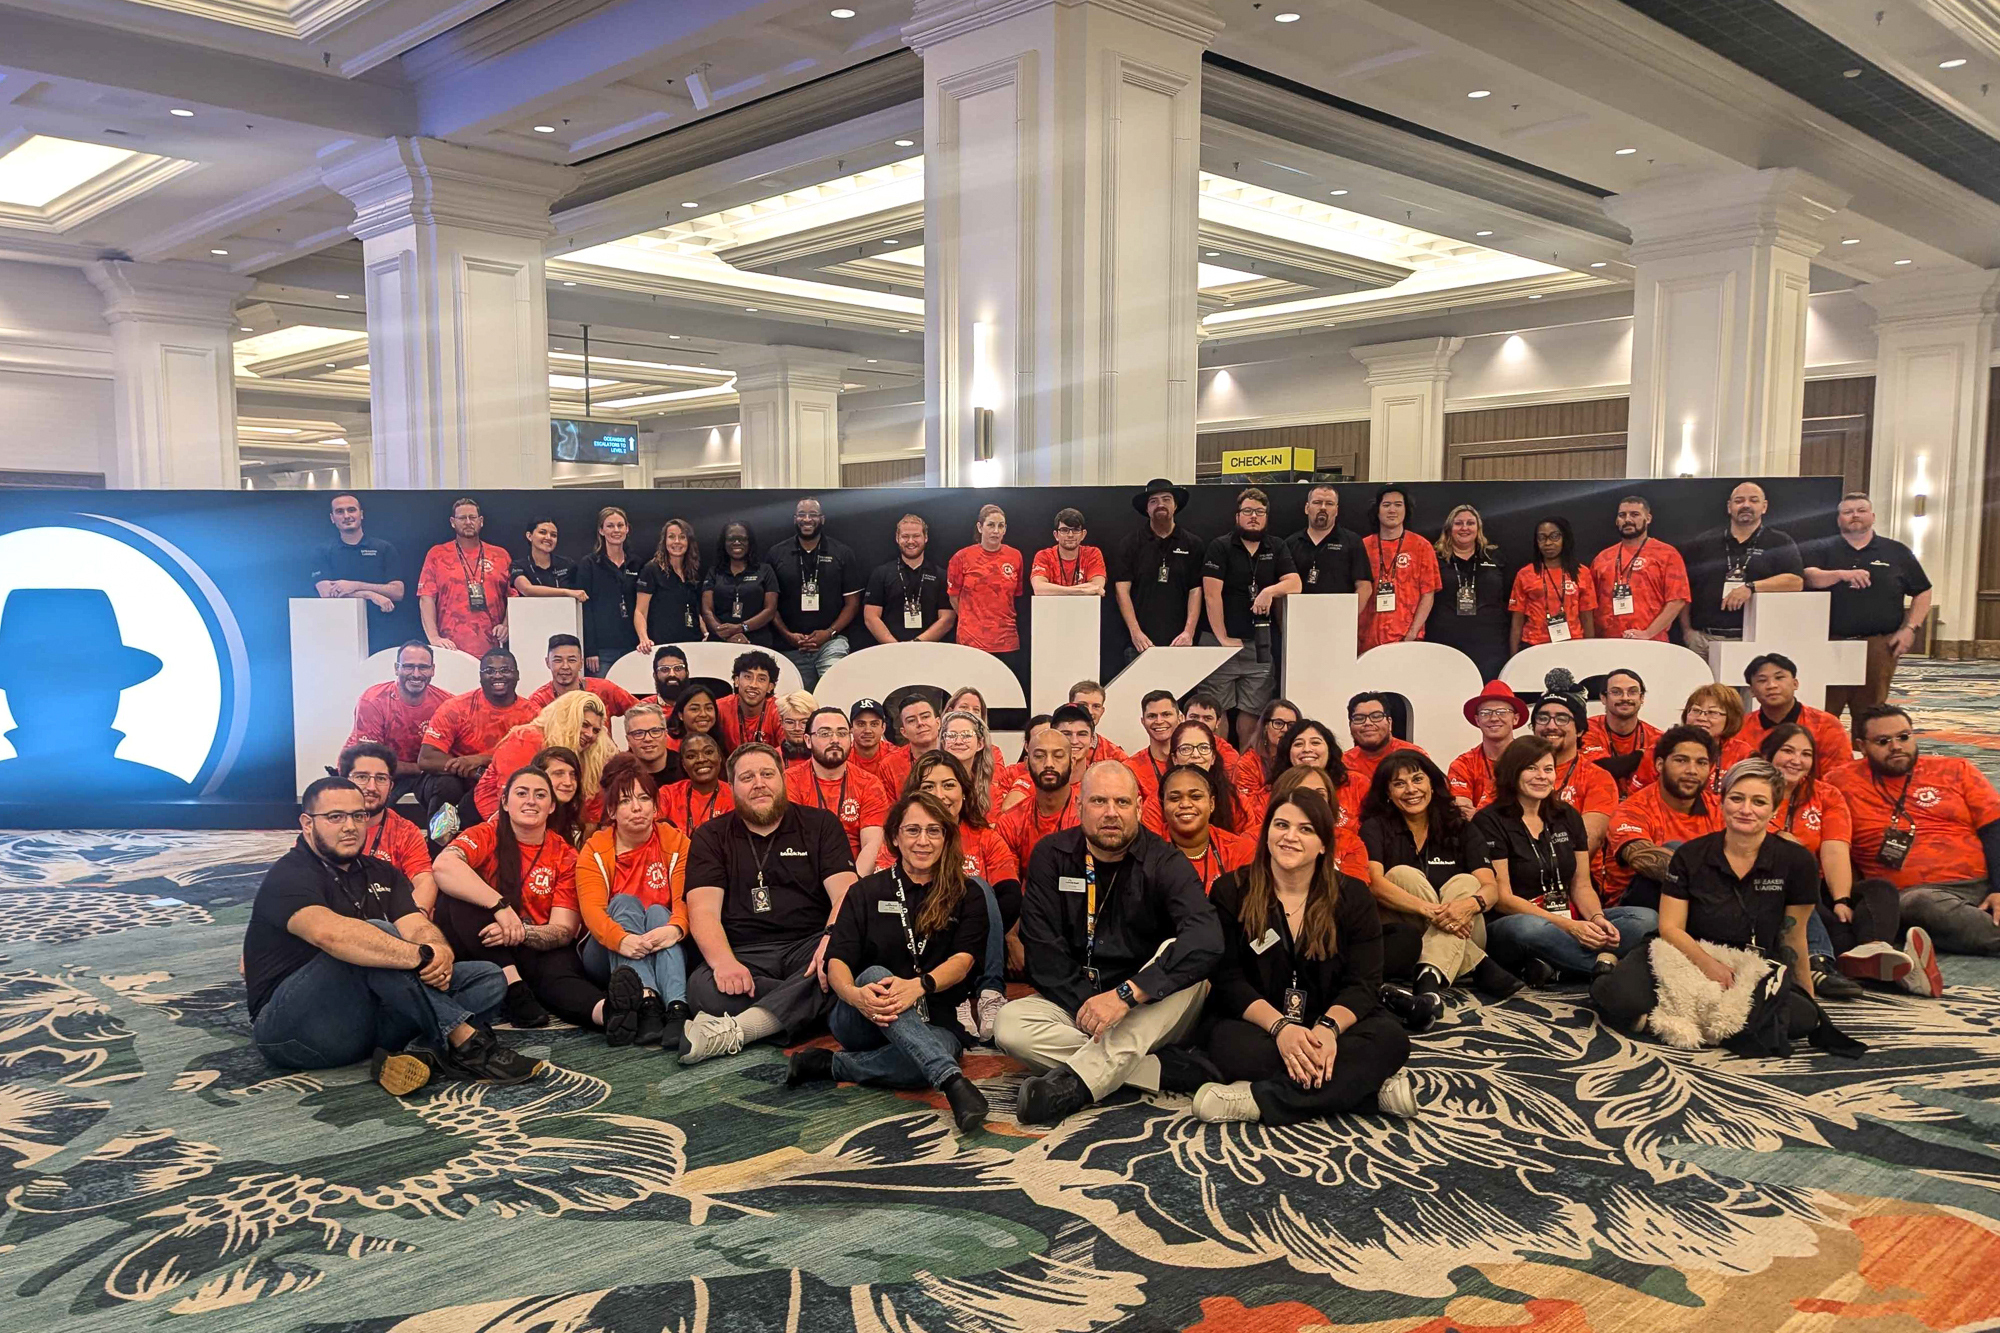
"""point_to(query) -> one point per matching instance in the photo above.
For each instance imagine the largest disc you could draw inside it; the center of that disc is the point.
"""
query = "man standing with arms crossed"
(1642, 584)
(1242, 575)
(819, 593)
(1157, 573)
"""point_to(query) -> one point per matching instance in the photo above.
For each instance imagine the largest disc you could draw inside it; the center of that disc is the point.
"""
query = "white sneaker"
(990, 1004)
(1876, 960)
(1923, 977)
(1398, 1095)
(708, 1035)
(1220, 1103)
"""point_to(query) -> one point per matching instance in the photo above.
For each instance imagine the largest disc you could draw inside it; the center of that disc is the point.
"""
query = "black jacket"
(1352, 977)
(1158, 897)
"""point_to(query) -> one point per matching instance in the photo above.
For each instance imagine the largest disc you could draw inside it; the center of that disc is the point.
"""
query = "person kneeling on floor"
(900, 961)
(339, 962)
(631, 887)
(1729, 965)
(1119, 941)
(1297, 1023)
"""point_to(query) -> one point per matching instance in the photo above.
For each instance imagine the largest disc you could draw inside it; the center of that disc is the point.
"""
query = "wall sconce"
(982, 434)
(1920, 522)
(985, 469)
(1688, 464)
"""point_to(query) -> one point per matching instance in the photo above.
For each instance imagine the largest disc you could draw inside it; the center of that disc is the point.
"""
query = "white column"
(1406, 384)
(357, 429)
(1061, 152)
(1721, 275)
(1934, 349)
(788, 403)
(173, 372)
(451, 240)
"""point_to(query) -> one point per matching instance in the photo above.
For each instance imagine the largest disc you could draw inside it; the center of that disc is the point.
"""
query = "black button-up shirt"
(1162, 572)
(828, 568)
(1893, 574)
(1243, 575)
(1717, 557)
(608, 631)
(1150, 896)
(1247, 973)
(365, 889)
(1335, 564)
(795, 861)
(1747, 912)
(895, 582)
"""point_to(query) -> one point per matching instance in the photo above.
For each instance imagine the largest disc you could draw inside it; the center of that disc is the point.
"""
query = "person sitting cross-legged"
(339, 962)
(901, 960)
(1119, 941)
(631, 887)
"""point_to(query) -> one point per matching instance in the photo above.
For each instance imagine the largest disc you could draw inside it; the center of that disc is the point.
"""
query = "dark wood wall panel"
(1545, 442)
(721, 481)
(884, 472)
(1839, 430)
(1583, 462)
(1988, 620)
(1335, 444)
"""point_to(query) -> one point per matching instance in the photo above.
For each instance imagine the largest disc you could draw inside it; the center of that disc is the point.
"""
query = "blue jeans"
(1819, 943)
(331, 1013)
(663, 973)
(993, 976)
(909, 1053)
(1512, 939)
(814, 663)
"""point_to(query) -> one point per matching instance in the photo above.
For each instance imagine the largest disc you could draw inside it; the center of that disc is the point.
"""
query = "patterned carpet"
(1566, 1179)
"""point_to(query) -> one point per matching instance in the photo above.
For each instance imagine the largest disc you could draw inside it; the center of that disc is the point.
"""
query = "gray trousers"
(1951, 913)
(782, 986)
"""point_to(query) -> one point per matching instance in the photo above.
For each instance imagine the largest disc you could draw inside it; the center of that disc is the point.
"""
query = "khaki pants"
(1042, 1034)
(1858, 699)
(1450, 954)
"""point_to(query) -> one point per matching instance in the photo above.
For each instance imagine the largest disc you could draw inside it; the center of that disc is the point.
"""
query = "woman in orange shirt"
(1188, 803)
(1554, 598)
(1251, 771)
(631, 881)
(702, 794)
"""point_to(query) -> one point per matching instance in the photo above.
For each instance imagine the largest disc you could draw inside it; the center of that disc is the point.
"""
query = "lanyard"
(1069, 574)
(808, 582)
(713, 797)
(1089, 915)
(1568, 773)
(1622, 576)
(1393, 562)
(1562, 593)
(1547, 871)
(371, 845)
(819, 792)
(1466, 572)
(1611, 740)
(1737, 568)
(528, 871)
(910, 938)
(1068, 802)
(1896, 811)
(472, 571)
(903, 573)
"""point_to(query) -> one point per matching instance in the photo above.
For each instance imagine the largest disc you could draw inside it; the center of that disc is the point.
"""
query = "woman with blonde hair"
(962, 735)
(1470, 612)
(576, 722)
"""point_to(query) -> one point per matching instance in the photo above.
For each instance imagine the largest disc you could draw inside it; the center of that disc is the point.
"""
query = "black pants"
(437, 790)
(782, 986)
(1402, 943)
(1627, 993)
(556, 976)
(1368, 1053)
(1877, 915)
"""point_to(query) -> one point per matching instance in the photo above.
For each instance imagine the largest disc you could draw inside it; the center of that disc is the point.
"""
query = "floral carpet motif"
(155, 1174)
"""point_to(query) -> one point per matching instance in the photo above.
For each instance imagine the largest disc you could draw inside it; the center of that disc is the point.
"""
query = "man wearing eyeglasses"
(1069, 568)
(1242, 575)
(646, 738)
(828, 781)
(1375, 739)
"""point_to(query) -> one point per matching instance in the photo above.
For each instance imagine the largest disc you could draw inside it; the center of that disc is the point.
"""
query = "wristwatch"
(928, 982)
(425, 955)
(1127, 994)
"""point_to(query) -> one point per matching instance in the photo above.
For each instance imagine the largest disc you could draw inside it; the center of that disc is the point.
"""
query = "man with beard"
(1119, 940)
(670, 672)
(394, 712)
(1053, 808)
(819, 593)
(764, 884)
(1652, 823)
(462, 587)
(1156, 573)
(1375, 739)
(459, 738)
(1329, 557)
(565, 663)
(1559, 718)
(1930, 825)
(1729, 566)
(906, 596)
(1642, 584)
(1617, 740)
(1869, 576)
(829, 781)
(1241, 576)
(873, 752)
(389, 837)
(339, 962)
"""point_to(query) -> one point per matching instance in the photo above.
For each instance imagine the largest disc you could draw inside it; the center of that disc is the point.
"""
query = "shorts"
(1242, 682)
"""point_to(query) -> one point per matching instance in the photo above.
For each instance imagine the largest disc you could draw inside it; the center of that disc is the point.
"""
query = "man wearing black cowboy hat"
(1156, 573)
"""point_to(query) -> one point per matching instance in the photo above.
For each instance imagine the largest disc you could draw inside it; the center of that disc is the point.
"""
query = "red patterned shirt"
(449, 575)
(983, 585)
(548, 869)
(381, 714)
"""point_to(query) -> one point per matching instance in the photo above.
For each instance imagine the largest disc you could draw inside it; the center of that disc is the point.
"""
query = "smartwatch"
(425, 956)
(1127, 994)
(928, 982)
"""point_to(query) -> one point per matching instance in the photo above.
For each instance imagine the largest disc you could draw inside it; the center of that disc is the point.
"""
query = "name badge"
(1269, 938)
(913, 617)
(1558, 629)
(1163, 575)
(1385, 599)
(1312, 575)
(760, 899)
(1468, 600)
(1621, 600)
(1295, 1002)
(1069, 883)
(888, 908)
(1729, 586)
(809, 601)
(1896, 846)
(475, 596)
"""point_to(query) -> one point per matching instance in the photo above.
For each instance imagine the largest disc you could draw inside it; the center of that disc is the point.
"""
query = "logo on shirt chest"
(971, 865)
(1927, 796)
(1402, 559)
(541, 883)
(791, 851)
(1811, 819)
(1007, 568)
(378, 890)
(1638, 562)
(656, 878)
(1767, 884)
(850, 809)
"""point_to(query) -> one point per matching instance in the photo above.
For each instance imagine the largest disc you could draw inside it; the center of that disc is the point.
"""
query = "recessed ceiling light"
(545, 129)
(1477, 93)
(749, 309)
(892, 242)
(1336, 192)
(1901, 262)
(218, 252)
(1534, 296)
(1210, 254)
(1626, 152)
(1286, 17)
(1598, 264)
(1953, 63)
(183, 111)
(569, 284)
(690, 203)
(1850, 74)
(674, 337)
(841, 13)
(872, 360)
(341, 296)
(906, 143)
(1482, 233)
(902, 330)
(330, 365)
(244, 328)
(1850, 240)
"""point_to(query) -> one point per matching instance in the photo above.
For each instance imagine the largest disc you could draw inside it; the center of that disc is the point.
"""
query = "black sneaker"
(1830, 983)
(812, 1064)
(1185, 1069)
(652, 1022)
(523, 1009)
(674, 1019)
(1415, 1011)
(1537, 973)
(624, 997)
(1430, 980)
(402, 1072)
(481, 1056)
(1494, 981)
(968, 1103)
(1046, 1099)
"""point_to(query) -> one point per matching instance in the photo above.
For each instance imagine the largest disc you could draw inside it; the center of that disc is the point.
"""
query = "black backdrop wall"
(241, 555)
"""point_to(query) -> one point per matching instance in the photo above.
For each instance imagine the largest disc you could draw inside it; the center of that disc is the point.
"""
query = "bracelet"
(1279, 1026)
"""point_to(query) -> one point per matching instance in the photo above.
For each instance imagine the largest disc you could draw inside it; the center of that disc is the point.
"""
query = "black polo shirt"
(1243, 575)
(828, 570)
(1536, 866)
(1716, 557)
(366, 889)
(608, 631)
(868, 932)
(674, 613)
(1335, 564)
(1747, 912)
(1390, 842)
(1490, 621)
(895, 585)
(1265, 968)
(737, 597)
(807, 848)
(561, 572)
(370, 560)
(1893, 575)
(1162, 572)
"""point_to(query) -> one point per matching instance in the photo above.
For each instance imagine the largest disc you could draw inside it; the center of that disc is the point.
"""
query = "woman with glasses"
(962, 735)
(702, 794)
(1470, 612)
(1554, 598)
(630, 889)
(1188, 803)
(1251, 774)
(1194, 743)
(740, 599)
(900, 959)
(990, 862)
(1718, 710)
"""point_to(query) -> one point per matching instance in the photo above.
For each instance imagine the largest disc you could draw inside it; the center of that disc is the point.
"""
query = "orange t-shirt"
(1361, 765)
(856, 798)
(381, 715)
(548, 869)
(1824, 818)
(449, 575)
(516, 750)
(1945, 801)
(616, 698)
(1226, 851)
(1656, 575)
(687, 810)
(467, 724)
(1022, 828)
(983, 585)
(400, 843)
(1832, 746)
(987, 854)
(1413, 569)
(1471, 776)
(1644, 816)
(890, 766)
(1598, 742)
(730, 722)
(1050, 565)
(1539, 594)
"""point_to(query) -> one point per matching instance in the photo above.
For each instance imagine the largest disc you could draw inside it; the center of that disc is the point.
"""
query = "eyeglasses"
(1197, 747)
(1251, 510)
(1063, 529)
(1708, 712)
(645, 733)
(829, 734)
(347, 818)
(930, 832)
(1494, 714)
(1367, 717)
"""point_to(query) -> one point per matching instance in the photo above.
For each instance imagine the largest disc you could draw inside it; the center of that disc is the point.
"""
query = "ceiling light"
(1953, 63)
(40, 169)
(342, 296)
(545, 129)
(906, 143)
(1625, 152)
(1482, 233)
(1598, 264)
(1850, 240)
(244, 328)
(1286, 17)
(1336, 192)
(1478, 93)
(569, 284)
(872, 360)
(1850, 74)
(675, 337)
(1211, 253)
(218, 252)
(749, 309)
(1901, 262)
(841, 13)
(183, 111)
(892, 242)
(690, 203)
(1534, 296)
(329, 365)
